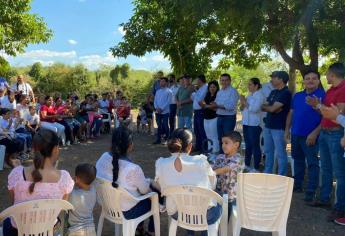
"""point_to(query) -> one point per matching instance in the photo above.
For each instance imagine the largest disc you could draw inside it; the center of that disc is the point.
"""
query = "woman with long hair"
(42, 180)
(117, 166)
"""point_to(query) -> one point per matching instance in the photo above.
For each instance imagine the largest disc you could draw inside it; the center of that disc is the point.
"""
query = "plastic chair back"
(109, 198)
(192, 204)
(263, 201)
(37, 217)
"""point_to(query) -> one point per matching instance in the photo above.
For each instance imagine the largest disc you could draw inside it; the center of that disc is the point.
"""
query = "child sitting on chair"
(83, 198)
(228, 165)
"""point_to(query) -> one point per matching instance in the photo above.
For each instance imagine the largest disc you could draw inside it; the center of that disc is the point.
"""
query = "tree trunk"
(292, 80)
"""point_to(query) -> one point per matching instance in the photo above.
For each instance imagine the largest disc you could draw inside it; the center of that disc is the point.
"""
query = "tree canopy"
(19, 27)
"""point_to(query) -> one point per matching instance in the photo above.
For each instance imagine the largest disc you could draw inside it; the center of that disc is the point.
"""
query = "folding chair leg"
(172, 227)
(100, 225)
(129, 228)
(213, 229)
(156, 221)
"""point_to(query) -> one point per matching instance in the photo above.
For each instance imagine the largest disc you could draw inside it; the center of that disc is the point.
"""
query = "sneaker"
(340, 221)
(23, 157)
(162, 208)
(165, 143)
(335, 214)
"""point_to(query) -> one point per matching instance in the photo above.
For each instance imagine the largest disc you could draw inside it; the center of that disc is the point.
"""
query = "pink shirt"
(42, 190)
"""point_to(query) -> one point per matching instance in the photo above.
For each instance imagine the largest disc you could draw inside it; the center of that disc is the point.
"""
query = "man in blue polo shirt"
(304, 122)
(277, 108)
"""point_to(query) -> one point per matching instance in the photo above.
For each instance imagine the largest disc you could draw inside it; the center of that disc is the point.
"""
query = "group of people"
(271, 118)
(22, 114)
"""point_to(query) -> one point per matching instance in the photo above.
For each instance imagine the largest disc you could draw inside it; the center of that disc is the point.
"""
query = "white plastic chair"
(2, 156)
(262, 204)
(192, 204)
(36, 217)
(110, 198)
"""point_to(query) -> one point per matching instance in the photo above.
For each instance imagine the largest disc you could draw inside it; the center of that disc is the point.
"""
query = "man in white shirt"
(226, 105)
(173, 107)
(161, 104)
(21, 87)
(197, 98)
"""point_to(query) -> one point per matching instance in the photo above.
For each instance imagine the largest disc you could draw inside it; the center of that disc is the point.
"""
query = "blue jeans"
(172, 117)
(301, 152)
(162, 121)
(225, 124)
(251, 135)
(332, 161)
(25, 135)
(275, 146)
(184, 122)
(199, 130)
(138, 210)
(213, 214)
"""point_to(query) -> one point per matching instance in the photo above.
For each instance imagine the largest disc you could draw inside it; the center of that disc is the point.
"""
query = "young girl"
(41, 180)
(228, 165)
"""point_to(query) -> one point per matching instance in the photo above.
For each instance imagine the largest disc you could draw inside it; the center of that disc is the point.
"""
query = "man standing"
(173, 107)
(184, 104)
(277, 108)
(226, 104)
(156, 83)
(197, 98)
(304, 123)
(331, 152)
(161, 104)
(21, 87)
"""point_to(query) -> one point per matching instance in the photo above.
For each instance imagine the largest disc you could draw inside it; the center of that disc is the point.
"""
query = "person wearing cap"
(185, 104)
(21, 87)
(277, 108)
(226, 104)
(331, 152)
(303, 123)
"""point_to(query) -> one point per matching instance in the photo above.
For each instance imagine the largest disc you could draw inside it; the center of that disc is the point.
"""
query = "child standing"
(228, 165)
(83, 198)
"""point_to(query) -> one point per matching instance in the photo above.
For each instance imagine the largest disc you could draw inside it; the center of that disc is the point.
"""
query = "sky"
(84, 30)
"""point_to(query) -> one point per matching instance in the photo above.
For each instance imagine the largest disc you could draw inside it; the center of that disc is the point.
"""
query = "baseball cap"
(281, 75)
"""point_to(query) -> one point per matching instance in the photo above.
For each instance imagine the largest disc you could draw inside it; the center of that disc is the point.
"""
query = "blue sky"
(84, 30)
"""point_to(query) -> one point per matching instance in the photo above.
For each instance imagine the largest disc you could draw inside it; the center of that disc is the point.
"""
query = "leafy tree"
(124, 70)
(5, 68)
(36, 71)
(19, 27)
(114, 74)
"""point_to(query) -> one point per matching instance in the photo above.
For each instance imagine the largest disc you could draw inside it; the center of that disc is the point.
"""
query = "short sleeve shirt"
(24, 87)
(277, 120)
(334, 95)
(50, 111)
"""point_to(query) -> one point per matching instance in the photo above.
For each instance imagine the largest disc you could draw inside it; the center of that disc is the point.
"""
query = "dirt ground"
(303, 220)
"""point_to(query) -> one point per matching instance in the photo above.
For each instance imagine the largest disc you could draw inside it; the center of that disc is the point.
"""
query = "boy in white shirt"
(32, 120)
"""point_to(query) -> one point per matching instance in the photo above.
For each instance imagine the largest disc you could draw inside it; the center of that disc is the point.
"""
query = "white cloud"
(159, 58)
(4, 55)
(45, 63)
(121, 30)
(72, 42)
(93, 61)
(37, 54)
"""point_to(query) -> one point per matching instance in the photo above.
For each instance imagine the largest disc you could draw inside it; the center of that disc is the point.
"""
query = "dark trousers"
(225, 124)
(68, 130)
(301, 152)
(199, 130)
(162, 121)
(251, 136)
(172, 117)
(138, 210)
(8, 229)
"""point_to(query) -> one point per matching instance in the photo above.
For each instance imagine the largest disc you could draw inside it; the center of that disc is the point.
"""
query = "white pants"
(210, 127)
(57, 128)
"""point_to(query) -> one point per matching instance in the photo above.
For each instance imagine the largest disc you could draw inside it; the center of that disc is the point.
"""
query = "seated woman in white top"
(116, 166)
(183, 169)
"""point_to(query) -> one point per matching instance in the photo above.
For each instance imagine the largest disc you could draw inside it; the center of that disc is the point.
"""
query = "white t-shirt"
(4, 125)
(32, 120)
(252, 114)
(131, 177)
(5, 103)
(24, 87)
(174, 89)
(196, 171)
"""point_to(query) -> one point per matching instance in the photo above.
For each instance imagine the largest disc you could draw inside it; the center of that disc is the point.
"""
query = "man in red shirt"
(331, 151)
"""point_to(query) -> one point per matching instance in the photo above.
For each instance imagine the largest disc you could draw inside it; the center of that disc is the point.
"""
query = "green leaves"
(18, 27)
